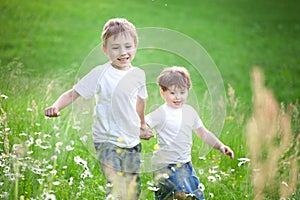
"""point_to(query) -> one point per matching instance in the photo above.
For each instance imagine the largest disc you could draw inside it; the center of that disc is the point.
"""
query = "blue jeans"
(120, 165)
(180, 179)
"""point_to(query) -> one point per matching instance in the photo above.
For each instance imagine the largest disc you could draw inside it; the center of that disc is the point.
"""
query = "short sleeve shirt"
(174, 128)
(116, 91)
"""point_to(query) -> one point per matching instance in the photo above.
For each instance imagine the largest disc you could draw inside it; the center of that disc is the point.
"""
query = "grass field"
(42, 48)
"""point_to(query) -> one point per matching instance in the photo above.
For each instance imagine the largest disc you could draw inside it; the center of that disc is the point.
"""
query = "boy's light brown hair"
(174, 76)
(118, 25)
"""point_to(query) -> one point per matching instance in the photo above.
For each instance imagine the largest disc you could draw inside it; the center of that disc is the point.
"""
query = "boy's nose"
(123, 51)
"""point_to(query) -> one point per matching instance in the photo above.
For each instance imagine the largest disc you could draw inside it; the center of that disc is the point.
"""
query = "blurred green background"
(53, 37)
(44, 43)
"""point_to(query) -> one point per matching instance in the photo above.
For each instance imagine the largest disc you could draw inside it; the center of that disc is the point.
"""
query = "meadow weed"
(270, 137)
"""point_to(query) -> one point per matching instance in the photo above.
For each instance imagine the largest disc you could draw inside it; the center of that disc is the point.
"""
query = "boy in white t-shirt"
(119, 123)
(174, 122)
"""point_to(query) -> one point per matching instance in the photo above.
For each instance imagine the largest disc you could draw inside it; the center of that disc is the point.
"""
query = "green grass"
(43, 44)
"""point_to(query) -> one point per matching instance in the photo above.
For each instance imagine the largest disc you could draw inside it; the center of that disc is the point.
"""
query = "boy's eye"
(128, 47)
(115, 47)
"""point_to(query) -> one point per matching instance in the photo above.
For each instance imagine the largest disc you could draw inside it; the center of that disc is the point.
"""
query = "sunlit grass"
(40, 156)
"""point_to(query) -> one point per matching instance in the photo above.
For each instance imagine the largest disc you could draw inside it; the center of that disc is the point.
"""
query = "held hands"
(227, 151)
(146, 133)
(52, 111)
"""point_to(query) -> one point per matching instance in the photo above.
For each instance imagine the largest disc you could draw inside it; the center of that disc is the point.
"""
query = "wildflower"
(38, 142)
(110, 197)
(56, 128)
(77, 128)
(120, 173)
(155, 147)
(47, 136)
(230, 117)
(120, 139)
(86, 174)
(50, 196)
(80, 161)
(224, 173)
(54, 157)
(155, 189)
(4, 96)
(212, 171)
(211, 195)
(70, 181)
(53, 172)
(37, 124)
(218, 177)
(69, 148)
(243, 161)
(150, 183)
(7, 129)
(22, 134)
(101, 188)
(201, 187)
(49, 167)
(40, 180)
(109, 185)
(56, 183)
(45, 147)
(201, 171)
(284, 183)
(84, 139)
(211, 178)
(3, 195)
(37, 170)
(202, 158)
(29, 109)
(58, 144)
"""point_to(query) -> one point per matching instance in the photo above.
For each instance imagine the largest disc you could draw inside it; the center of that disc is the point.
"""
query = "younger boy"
(120, 92)
(174, 122)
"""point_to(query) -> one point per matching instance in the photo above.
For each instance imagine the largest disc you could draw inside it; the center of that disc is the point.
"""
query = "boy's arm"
(64, 100)
(140, 109)
(213, 141)
(145, 132)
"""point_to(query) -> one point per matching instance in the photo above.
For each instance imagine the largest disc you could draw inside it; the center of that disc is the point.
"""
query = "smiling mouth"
(177, 102)
(123, 59)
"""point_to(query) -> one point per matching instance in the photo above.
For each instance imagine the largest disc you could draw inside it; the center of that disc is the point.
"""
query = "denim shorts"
(177, 178)
(120, 160)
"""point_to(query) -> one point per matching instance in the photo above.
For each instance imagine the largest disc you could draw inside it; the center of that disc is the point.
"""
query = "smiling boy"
(174, 122)
(120, 92)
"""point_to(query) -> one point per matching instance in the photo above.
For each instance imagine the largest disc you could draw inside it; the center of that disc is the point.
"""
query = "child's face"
(121, 50)
(175, 97)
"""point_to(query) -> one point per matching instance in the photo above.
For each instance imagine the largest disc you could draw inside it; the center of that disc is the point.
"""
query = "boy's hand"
(146, 133)
(52, 111)
(227, 151)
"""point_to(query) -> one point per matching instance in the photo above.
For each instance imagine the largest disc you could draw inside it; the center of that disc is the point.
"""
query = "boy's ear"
(161, 93)
(104, 50)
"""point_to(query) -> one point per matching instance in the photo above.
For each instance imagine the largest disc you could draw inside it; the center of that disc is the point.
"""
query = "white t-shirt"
(174, 128)
(115, 117)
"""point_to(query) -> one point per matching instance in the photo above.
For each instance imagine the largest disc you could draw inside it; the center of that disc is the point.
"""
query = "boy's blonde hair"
(118, 25)
(174, 76)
